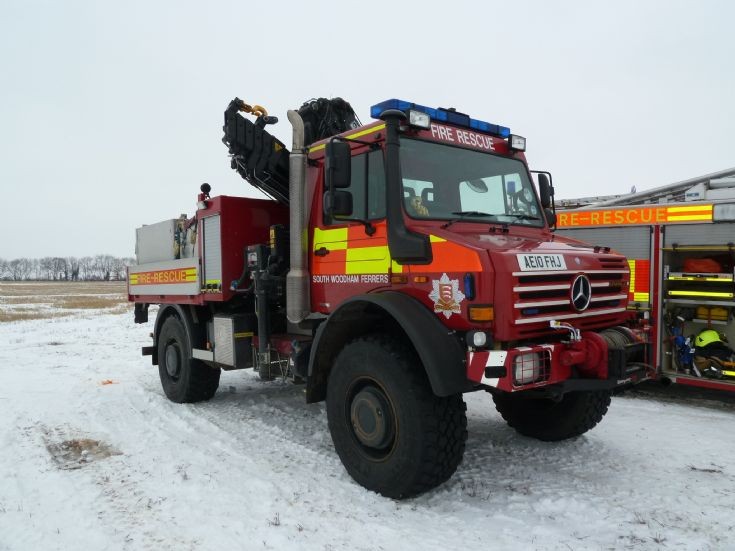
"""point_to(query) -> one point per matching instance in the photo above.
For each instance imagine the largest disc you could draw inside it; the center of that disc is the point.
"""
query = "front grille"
(543, 296)
(612, 262)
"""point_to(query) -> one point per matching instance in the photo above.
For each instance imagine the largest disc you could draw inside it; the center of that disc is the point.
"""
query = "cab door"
(350, 253)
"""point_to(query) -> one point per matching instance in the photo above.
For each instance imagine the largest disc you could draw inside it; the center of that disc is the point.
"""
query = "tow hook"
(574, 334)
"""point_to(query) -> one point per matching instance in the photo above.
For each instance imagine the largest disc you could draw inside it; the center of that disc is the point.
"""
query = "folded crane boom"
(261, 158)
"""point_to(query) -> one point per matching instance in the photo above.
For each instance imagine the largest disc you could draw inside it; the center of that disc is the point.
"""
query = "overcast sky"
(111, 112)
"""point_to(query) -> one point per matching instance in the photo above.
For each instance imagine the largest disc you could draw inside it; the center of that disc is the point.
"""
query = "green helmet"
(708, 336)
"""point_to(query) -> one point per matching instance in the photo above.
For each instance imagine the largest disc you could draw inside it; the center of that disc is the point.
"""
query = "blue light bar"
(440, 115)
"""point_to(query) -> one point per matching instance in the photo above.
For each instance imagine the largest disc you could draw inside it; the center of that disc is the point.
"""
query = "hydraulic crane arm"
(258, 157)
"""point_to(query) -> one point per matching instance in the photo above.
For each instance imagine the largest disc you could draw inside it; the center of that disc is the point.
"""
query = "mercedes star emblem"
(581, 292)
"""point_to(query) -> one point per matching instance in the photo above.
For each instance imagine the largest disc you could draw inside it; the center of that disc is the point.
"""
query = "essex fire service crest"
(446, 296)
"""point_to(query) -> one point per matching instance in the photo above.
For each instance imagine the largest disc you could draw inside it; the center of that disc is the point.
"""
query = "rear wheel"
(183, 378)
(392, 434)
(553, 420)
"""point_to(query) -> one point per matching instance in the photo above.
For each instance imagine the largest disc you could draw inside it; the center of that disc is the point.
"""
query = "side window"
(376, 185)
(367, 187)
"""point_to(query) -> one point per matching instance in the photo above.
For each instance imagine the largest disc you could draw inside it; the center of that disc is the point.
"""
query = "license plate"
(541, 262)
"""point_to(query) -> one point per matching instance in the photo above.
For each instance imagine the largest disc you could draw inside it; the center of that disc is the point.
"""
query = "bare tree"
(86, 268)
(20, 268)
(60, 268)
(103, 265)
(46, 267)
(100, 267)
(73, 268)
(35, 270)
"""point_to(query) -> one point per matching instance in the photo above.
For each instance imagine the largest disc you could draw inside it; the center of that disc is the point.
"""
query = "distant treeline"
(102, 267)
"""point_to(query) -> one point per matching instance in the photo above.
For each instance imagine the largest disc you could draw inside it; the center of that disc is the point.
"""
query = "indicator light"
(481, 313)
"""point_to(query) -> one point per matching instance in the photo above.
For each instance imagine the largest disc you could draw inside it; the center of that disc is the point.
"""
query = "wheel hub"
(173, 360)
(372, 418)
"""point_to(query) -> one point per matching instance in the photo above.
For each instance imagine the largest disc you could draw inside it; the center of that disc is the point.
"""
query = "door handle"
(322, 251)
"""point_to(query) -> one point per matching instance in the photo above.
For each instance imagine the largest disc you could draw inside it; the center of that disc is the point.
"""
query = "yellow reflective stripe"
(350, 136)
(378, 266)
(368, 260)
(367, 253)
(694, 213)
(337, 238)
(243, 335)
(631, 265)
(366, 131)
(690, 217)
(436, 239)
(692, 278)
(190, 274)
(640, 297)
(395, 267)
(693, 208)
(700, 294)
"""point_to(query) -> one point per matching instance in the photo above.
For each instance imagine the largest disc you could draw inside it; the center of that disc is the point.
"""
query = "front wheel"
(392, 434)
(184, 379)
(553, 420)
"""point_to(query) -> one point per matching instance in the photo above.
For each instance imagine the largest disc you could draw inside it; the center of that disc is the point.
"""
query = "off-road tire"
(428, 432)
(549, 420)
(193, 381)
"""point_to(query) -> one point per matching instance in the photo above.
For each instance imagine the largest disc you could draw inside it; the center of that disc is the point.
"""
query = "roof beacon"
(413, 112)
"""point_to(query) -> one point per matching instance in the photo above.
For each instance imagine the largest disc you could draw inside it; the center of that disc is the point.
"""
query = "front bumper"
(588, 364)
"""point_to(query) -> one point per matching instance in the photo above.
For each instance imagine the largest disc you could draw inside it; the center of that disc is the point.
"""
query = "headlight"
(526, 368)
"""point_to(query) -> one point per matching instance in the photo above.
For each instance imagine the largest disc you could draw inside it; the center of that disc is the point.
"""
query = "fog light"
(526, 368)
(417, 118)
(476, 339)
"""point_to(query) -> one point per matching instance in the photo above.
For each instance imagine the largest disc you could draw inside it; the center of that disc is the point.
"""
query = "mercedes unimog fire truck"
(399, 265)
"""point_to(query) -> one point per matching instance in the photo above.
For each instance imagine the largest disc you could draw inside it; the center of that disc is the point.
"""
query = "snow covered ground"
(93, 456)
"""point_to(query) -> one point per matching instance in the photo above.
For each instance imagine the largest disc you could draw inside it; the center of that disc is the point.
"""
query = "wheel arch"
(189, 318)
(439, 350)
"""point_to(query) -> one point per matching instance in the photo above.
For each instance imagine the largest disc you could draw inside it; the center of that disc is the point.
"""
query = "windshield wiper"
(522, 216)
(462, 214)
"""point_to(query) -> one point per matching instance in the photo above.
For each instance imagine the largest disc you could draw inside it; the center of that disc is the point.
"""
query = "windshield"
(442, 182)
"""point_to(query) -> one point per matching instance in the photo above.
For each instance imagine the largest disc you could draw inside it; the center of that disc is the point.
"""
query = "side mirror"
(338, 203)
(546, 191)
(550, 217)
(338, 164)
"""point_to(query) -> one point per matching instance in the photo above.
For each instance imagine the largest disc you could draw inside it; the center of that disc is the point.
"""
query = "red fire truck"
(400, 264)
(681, 257)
